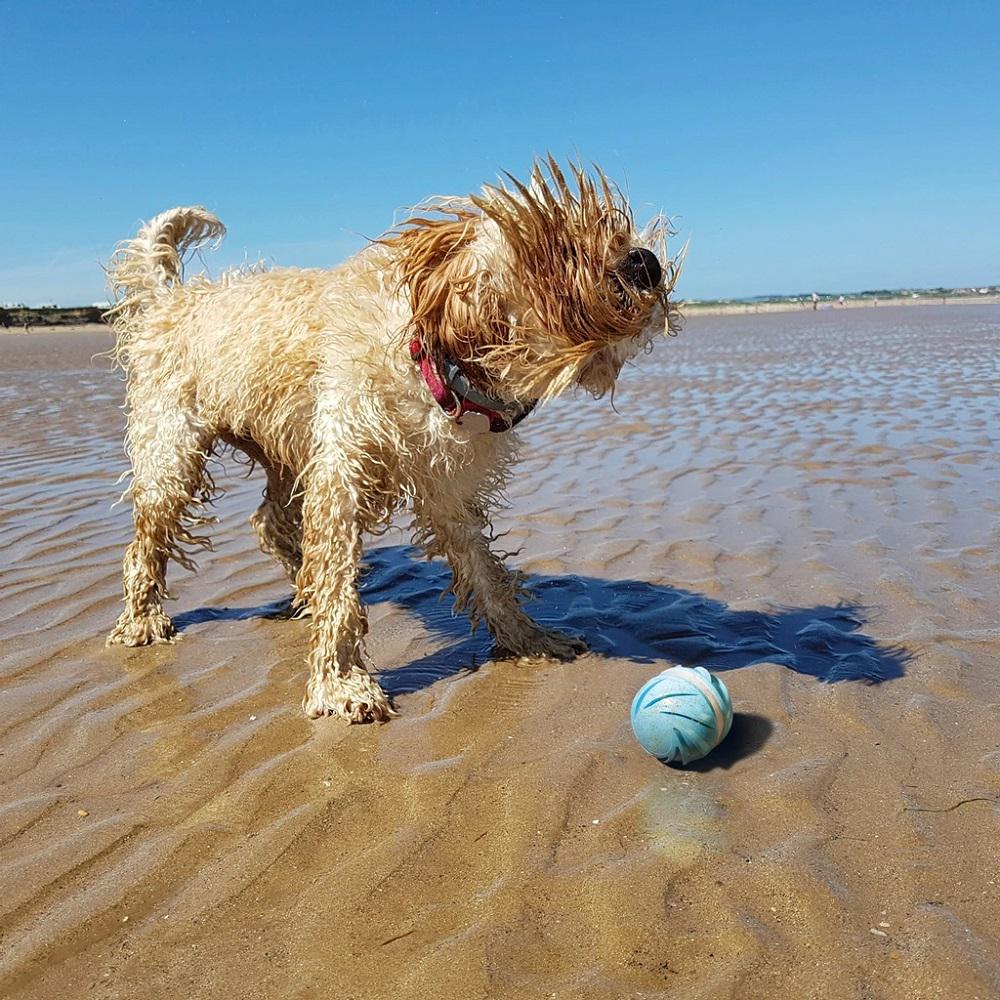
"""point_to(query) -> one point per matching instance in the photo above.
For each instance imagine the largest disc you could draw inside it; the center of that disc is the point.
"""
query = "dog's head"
(539, 286)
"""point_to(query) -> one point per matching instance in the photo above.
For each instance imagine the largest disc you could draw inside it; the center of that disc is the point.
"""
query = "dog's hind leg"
(339, 683)
(483, 585)
(278, 520)
(168, 451)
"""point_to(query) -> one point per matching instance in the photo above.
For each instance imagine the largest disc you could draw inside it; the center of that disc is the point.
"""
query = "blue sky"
(830, 146)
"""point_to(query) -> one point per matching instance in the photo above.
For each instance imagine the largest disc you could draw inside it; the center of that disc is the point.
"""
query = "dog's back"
(241, 351)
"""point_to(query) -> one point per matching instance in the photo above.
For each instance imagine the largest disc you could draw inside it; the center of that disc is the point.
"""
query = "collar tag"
(474, 422)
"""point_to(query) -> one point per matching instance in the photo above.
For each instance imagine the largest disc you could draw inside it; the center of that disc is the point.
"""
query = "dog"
(395, 379)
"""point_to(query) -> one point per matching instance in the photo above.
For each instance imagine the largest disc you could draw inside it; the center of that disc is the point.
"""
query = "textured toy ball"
(681, 714)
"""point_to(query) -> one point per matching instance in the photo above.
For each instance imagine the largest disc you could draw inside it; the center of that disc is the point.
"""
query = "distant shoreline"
(805, 305)
(74, 328)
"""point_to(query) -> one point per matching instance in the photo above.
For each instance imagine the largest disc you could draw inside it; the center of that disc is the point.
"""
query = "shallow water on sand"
(807, 502)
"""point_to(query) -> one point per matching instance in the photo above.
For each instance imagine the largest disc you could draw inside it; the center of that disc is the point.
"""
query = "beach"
(805, 502)
(742, 307)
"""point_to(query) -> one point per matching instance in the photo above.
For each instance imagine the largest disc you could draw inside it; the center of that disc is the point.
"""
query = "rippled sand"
(806, 502)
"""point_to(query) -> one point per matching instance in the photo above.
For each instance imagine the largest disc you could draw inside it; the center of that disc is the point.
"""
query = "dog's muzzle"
(640, 269)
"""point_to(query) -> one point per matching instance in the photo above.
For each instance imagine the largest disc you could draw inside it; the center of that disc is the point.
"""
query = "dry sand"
(172, 826)
(743, 308)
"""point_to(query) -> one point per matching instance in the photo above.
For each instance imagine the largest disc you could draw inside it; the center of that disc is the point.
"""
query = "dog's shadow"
(630, 619)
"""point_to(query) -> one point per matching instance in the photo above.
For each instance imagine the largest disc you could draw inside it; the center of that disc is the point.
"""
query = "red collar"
(456, 395)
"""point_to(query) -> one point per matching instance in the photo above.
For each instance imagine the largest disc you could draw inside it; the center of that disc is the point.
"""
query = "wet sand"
(806, 502)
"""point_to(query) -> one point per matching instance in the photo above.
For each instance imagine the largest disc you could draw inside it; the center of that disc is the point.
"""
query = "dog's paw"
(543, 643)
(354, 698)
(287, 610)
(143, 631)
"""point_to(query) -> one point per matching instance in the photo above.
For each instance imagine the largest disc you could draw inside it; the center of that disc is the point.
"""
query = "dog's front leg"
(484, 586)
(339, 684)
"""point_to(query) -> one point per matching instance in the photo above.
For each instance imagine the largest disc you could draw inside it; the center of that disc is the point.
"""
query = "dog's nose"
(640, 269)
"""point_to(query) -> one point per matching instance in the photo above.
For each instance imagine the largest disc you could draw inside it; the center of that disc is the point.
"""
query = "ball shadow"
(748, 734)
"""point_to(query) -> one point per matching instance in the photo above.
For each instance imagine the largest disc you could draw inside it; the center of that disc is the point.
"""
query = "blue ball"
(681, 714)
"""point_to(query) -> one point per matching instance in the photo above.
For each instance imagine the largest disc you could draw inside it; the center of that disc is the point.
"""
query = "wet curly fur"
(308, 372)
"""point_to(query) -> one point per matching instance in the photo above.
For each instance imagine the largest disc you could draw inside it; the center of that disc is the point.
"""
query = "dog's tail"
(145, 267)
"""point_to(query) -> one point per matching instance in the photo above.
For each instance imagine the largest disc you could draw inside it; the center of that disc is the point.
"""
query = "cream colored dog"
(392, 379)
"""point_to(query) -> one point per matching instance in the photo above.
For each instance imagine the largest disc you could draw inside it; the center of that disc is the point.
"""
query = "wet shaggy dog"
(394, 379)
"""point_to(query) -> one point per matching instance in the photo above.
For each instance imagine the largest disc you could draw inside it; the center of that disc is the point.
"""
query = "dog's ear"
(454, 312)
